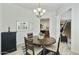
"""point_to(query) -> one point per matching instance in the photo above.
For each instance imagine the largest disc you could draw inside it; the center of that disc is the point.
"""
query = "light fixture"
(39, 11)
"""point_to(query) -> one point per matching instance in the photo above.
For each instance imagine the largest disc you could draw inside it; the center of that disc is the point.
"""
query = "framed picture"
(22, 26)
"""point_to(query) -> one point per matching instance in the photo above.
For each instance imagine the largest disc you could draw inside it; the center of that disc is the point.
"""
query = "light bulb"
(44, 10)
(35, 10)
(39, 9)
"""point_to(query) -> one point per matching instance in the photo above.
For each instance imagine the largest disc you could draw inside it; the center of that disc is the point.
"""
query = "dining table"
(45, 41)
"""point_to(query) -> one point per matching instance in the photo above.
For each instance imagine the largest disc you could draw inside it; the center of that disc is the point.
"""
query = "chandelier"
(39, 12)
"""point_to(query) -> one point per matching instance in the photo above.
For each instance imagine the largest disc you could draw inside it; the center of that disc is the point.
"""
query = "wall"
(74, 24)
(75, 28)
(52, 22)
(12, 13)
(0, 26)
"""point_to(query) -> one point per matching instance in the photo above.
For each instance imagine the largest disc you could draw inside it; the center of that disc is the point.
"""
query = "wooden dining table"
(44, 41)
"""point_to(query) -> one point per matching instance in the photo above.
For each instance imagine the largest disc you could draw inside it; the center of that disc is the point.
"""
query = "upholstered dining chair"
(32, 49)
(53, 48)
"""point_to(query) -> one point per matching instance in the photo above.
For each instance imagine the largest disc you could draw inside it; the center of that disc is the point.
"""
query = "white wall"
(12, 13)
(0, 26)
(74, 24)
(0, 16)
(75, 28)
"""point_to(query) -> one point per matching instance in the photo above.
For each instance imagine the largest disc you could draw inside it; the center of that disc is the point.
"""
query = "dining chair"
(46, 34)
(30, 35)
(53, 48)
(32, 49)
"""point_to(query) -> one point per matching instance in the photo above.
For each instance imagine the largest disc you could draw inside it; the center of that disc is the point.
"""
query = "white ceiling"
(47, 6)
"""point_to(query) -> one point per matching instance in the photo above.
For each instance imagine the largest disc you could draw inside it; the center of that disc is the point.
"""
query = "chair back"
(46, 34)
(29, 44)
(30, 35)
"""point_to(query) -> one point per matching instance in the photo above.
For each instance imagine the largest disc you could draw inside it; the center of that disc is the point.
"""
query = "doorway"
(65, 28)
(66, 33)
(44, 26)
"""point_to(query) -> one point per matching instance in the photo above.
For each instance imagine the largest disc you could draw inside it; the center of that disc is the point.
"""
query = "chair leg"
(44, 50)
(26, 53)
(33, 52)
(57, 53)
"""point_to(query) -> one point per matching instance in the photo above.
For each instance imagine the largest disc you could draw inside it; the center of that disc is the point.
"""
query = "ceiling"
(47, 6)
